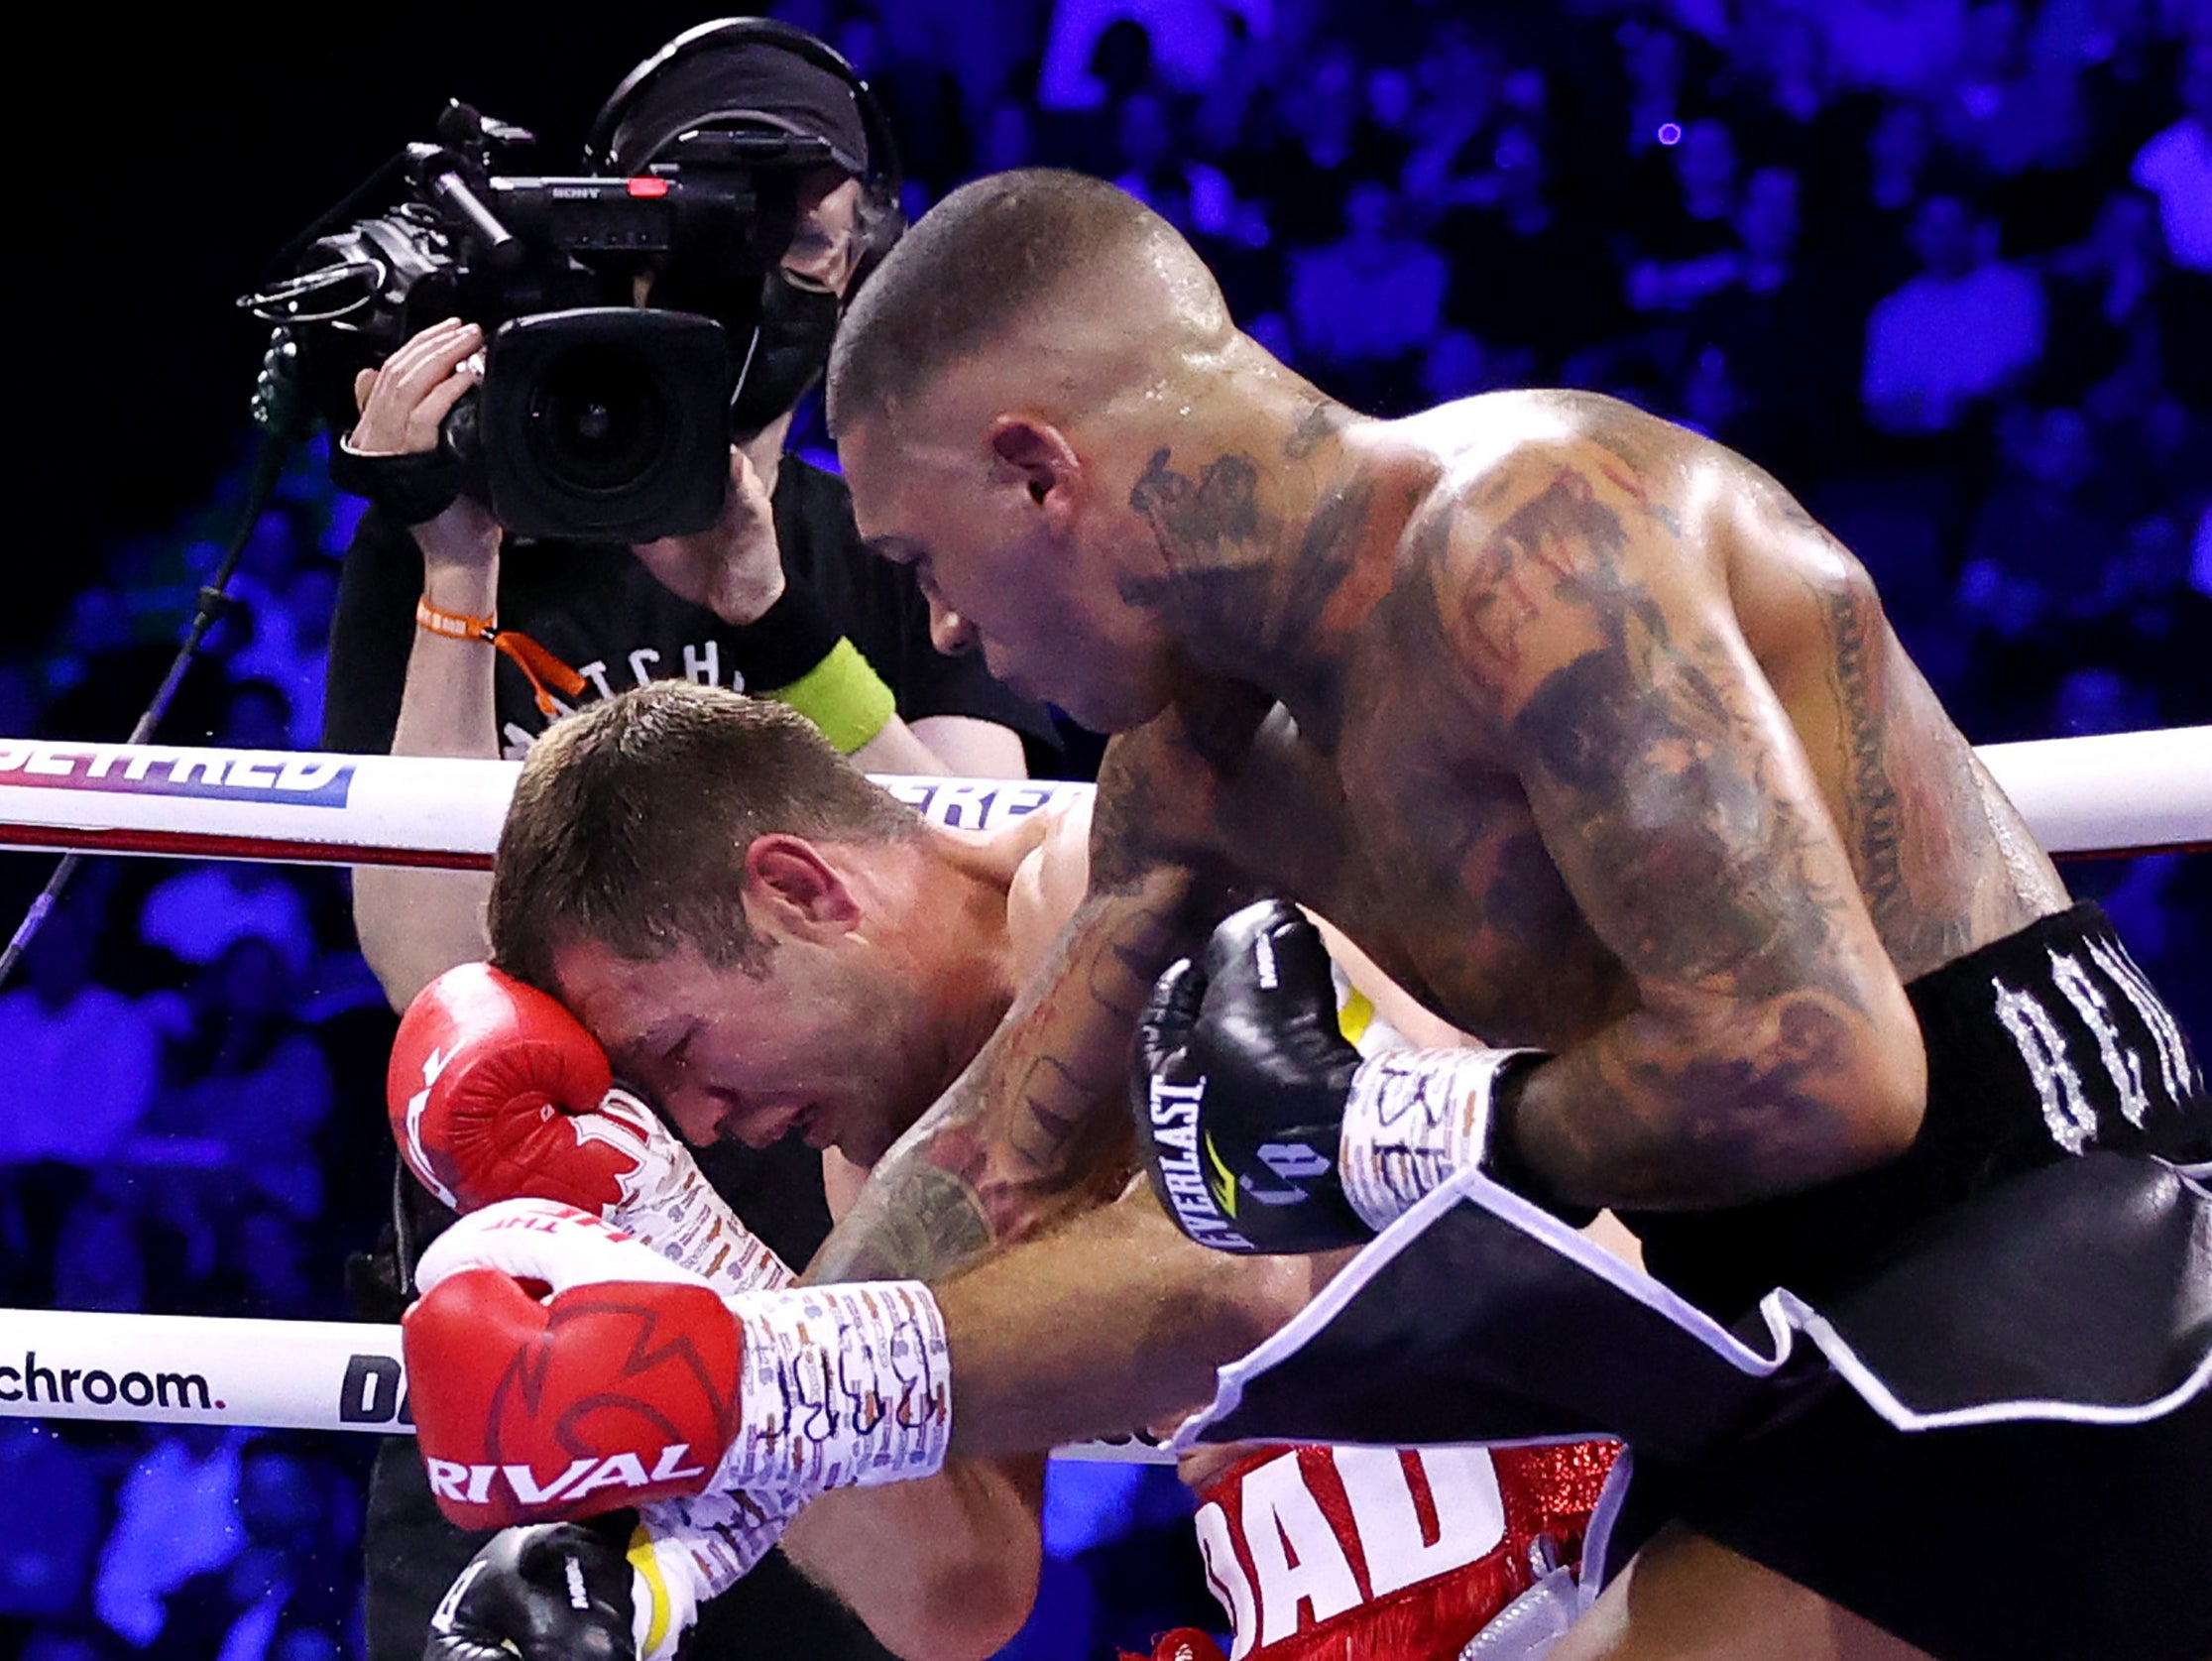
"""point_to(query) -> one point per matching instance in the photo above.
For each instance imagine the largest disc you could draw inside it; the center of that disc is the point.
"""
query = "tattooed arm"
(1771, 1045)
(1112, 1322)
(938, 1567)
(1017, 1141)
(947, 1568)
(1035, 1128)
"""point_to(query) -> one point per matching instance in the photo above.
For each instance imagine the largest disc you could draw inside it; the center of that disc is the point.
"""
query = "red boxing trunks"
(1357, 1554)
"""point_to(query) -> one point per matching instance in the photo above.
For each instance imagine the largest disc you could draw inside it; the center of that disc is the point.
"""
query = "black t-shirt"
(601, 612)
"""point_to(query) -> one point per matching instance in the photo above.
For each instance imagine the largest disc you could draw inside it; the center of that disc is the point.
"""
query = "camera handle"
(442, 176)
(277, 412)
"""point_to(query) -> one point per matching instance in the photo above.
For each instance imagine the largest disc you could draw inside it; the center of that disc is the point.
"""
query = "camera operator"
(452, 637)
(777, 596)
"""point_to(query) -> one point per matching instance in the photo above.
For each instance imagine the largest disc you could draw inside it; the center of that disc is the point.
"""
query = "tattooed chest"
(1444, 882)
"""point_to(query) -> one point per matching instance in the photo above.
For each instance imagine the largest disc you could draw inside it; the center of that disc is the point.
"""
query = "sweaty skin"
(1576, 722)
(1585, 731)
(966, 916)
(1669, 799)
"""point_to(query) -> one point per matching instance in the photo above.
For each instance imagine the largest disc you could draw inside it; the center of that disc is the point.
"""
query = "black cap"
(748, 83)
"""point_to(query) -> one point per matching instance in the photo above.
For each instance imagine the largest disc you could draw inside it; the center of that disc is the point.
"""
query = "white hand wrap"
(838, 1413)
(1414, 1120)
(668, 1203)
(686, 1551)
(842, 1387)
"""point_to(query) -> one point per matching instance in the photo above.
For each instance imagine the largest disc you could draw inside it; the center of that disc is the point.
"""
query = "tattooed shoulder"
(920, 1220)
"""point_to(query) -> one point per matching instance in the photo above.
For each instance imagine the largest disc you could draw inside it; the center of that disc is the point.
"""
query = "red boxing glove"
(559, 1366)
(498, 1093)
(617, 1388)
(487, 1079)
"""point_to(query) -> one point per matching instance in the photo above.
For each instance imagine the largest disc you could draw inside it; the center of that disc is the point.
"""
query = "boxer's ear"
(1037, 454)
(803, 893)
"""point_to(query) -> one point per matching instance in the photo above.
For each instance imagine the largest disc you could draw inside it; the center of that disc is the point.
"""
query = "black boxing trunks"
(2046, 1043)
(2032, 1541)
(1964, 1394)
(2057, 1539)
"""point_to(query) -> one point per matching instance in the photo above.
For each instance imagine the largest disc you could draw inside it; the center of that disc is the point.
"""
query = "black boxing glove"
(1240, 1086)
(1266, 1131)
(552, 1591)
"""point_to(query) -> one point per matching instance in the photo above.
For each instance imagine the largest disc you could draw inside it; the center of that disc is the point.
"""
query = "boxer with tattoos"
(825, 969)
(1589, 737)
(1599, 746)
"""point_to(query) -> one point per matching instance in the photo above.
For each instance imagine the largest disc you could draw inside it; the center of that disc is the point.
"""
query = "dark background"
(165, 167)
(2027, 550)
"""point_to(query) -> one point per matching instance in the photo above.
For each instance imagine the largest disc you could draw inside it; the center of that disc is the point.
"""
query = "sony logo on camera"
(595, 418)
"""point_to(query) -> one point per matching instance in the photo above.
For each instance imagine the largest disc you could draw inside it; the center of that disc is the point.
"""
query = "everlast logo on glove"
(1176, 1144)
(1240, 1138)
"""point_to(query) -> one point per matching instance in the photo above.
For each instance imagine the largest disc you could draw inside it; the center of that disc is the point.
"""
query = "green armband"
(843, 696)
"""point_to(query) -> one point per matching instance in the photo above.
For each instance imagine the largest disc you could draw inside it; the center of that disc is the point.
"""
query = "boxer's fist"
(1239, 1088)
(486, 1081)
(1268, 1132)
(557, 1592)
(498, 1093)
(560, 1368)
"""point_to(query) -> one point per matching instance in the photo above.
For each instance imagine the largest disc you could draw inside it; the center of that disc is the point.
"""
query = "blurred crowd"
(1944, 267)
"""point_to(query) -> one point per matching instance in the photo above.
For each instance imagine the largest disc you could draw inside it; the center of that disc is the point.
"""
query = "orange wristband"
(537, 664)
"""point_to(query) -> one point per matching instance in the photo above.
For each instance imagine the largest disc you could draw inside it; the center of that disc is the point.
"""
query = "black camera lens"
(606, 422)
(599, 421)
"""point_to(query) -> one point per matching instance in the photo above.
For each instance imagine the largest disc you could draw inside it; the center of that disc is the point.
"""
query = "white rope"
(311, 809)
(2124, 792)
(2121, 792)
(201, 1370)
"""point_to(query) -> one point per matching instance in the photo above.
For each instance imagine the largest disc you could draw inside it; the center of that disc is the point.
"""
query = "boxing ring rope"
(2124, 793)
(209, 1370)
(2131, 793)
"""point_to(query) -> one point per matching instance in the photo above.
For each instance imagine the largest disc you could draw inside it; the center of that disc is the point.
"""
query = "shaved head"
(998, 258)
(1044, 411)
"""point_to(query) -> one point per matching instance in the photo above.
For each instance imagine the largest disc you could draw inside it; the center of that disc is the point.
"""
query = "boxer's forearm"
(1035, 1125)
(971, 746)
(1657, 1114)
(939, 1569)
(1106, 1326)
(897, 749)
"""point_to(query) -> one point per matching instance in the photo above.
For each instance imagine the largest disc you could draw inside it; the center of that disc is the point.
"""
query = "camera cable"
(275, 409)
